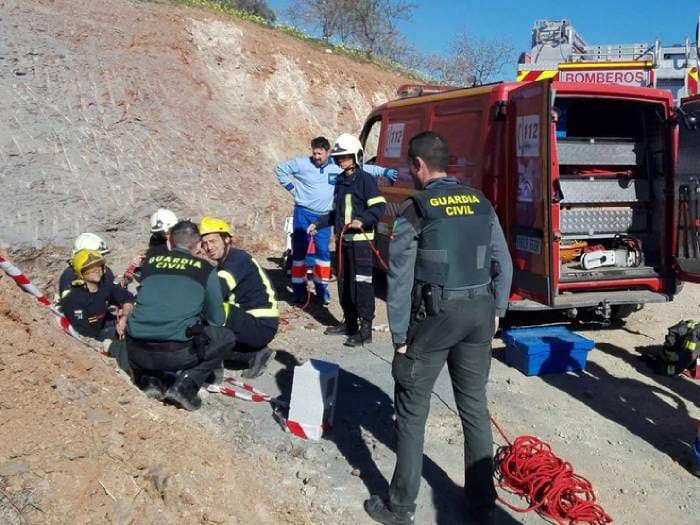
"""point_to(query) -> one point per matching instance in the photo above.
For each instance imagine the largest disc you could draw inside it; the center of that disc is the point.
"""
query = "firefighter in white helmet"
(357, 208)
(161, 223)
(84, 241)
(311, 180)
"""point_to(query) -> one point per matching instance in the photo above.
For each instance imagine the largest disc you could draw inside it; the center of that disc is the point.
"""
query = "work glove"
(391, 174)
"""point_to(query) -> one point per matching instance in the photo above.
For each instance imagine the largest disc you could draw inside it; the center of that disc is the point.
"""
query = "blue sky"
(623, 21)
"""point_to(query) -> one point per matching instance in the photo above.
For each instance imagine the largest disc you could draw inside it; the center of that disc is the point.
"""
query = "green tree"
(254, 7)
(368, 24)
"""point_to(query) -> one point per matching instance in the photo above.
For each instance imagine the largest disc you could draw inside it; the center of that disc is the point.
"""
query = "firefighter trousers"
(355, 288)
(459, 335)
(300, 258)
(253, 334)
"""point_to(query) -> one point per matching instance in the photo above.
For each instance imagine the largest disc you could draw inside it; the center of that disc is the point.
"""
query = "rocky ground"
(80, 444)
(70, 424)
(624, 428)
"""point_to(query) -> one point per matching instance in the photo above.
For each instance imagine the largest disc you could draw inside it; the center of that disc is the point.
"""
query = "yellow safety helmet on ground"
(213, 225)
(84, 260)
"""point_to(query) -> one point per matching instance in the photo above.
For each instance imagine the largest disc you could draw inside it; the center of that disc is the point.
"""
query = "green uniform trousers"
(460, 334)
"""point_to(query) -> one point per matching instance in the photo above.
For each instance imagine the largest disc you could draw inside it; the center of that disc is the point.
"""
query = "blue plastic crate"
(545, 349)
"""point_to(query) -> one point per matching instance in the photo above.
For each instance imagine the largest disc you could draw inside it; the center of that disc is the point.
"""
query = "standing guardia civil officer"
(449, 281)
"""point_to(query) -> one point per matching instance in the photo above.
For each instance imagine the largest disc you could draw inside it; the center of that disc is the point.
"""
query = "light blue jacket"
(313, 186)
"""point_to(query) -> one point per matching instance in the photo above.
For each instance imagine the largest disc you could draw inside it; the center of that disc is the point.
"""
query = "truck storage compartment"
(610, 188)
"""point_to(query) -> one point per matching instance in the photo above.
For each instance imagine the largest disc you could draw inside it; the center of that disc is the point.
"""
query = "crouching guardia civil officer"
(449, 281)
(179, 293)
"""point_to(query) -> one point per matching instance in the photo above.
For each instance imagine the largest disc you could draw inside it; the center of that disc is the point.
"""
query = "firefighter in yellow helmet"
(84, 241)
(251, 305)
(87, 303)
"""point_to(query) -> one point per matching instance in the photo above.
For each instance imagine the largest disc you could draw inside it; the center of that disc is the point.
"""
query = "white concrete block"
(312, 406)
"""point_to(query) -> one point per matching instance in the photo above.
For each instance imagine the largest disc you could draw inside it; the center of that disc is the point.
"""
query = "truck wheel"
(623, 311)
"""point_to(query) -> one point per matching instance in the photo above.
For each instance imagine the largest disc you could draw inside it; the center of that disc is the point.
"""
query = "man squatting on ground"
(179, 293)
(449, 281)
(357, 205)
(311, 181)
(250, 302)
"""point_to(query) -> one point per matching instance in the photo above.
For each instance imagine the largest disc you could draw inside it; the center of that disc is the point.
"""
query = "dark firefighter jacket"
(88, 311)
(247, 290)
(355, 197)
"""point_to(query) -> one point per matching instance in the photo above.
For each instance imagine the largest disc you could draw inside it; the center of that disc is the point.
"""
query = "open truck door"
(529, 215)
(687, 191)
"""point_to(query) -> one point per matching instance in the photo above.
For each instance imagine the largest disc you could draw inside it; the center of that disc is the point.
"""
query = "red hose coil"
(528, 467)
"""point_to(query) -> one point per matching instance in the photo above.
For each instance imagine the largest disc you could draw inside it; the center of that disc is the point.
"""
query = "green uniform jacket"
(402, 260)
(177, 291)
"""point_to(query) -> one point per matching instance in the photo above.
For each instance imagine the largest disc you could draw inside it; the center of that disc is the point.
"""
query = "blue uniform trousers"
(322, 263)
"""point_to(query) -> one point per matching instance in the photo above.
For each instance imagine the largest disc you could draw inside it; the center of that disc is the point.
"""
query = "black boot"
(344, 328)
(152, 386)
(483, 517)
(379, 512)
(257, 367)
(185, 392)
(363, 336)
(216, 376)
(339, 329)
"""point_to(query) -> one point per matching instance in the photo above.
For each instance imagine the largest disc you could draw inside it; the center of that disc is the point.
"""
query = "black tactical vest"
(177, 262)
(454, 246)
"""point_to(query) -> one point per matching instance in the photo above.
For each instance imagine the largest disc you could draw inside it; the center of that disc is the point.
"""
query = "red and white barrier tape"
(246, 392)
(26, 285)
(249, 393)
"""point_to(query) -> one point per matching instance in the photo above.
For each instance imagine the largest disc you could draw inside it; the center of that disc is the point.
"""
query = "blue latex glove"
(391, 174)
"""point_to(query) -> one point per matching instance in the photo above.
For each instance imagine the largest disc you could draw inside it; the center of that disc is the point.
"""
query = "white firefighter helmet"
(347, 144)
(89, 241)
(162, 220)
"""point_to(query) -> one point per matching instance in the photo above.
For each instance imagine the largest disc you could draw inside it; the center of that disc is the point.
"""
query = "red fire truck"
(597, 186)
(560, 53)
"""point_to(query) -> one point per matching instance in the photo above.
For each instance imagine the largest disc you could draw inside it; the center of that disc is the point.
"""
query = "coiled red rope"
(528, 467)
(371, 245)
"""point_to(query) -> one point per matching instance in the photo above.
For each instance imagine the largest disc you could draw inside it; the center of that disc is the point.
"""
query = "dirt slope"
(113, 107)
(79, 443)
